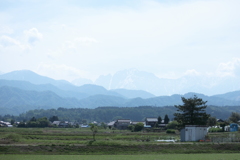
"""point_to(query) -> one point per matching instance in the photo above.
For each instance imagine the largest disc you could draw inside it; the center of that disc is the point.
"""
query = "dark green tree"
(235, 117)
(12, 121)
(130, 127)
(166, 119)
(33, 119)
(104, 125)
(43, 122)
(212, 121)
(159, 120)
(172, 125)
(53, 118)
(21, 124)
(94, 130)
(192, 112)
(138, 127)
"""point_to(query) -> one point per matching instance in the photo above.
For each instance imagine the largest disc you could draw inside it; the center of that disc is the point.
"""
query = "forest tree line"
(107, 114)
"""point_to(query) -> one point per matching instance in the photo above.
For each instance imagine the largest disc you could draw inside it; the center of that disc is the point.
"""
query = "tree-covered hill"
(107, 114)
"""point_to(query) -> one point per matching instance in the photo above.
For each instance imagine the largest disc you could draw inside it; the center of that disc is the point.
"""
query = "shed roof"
(151, 119)
(56, 122)
(124, 120)
(111, 123)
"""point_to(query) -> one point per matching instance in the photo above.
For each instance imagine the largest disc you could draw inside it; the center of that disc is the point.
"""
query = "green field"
(79, 141)
(125, 157)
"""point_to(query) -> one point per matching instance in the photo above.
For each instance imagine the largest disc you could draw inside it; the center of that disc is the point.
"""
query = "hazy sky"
(69, 39)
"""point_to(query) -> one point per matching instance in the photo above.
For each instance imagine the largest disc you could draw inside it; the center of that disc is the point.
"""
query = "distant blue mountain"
(24, 90)
(24, 85)
(14, 100)
(133, 93)
(28, 80)
(61, 87)
(32, 77)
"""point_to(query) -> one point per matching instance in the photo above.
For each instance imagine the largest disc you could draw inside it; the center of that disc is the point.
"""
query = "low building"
(151, 121)
(63, 124)
(5, 124)
(56, 123)
(193, 133)
(111, 124)
(220, 120)
(122, 123)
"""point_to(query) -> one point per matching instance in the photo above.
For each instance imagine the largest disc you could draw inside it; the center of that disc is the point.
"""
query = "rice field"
(125, 157)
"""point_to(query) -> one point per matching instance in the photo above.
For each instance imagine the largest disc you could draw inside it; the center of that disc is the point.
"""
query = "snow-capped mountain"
(140, 80)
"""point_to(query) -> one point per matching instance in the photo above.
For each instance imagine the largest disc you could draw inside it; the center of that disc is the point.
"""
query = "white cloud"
(166, 38)
(231, 68)
(6, 30)
(33, 35)
(8, 42)
(192, 72)
(61, 71)
(81, 41)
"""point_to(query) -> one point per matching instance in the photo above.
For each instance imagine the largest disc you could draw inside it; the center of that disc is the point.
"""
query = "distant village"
(120, 124)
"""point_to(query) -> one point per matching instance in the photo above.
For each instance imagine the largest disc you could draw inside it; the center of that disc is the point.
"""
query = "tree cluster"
(192, 112)
(40, 122)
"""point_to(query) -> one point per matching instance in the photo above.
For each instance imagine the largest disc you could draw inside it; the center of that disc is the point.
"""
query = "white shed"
(193, 133)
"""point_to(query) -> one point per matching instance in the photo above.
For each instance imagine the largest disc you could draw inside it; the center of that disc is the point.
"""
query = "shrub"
(172, 125)
(138, 127)
(170, 131)
(215, 130)
(130, 127)
(147, 129)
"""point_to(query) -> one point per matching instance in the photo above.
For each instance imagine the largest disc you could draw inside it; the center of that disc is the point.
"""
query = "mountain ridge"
(24, 100)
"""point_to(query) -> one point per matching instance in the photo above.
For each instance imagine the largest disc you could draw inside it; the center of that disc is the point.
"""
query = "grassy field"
(79, 141)
(125, 157)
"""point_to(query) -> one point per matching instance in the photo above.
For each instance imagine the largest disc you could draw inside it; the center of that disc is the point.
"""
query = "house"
(94, 122)
(5, 124)
(63, 124)
(122, 123)
(111, 124)
(193, 133)
(151, 121)
(56, 123)
(220, 120)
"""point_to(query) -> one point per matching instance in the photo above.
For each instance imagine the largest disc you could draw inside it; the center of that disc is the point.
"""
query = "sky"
(70, 39)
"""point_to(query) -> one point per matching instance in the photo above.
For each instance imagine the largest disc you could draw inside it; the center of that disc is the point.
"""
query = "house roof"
(63, 123)
(111, 123)
(151, 119)
(56, 122)
(220, 120)
(124, 120)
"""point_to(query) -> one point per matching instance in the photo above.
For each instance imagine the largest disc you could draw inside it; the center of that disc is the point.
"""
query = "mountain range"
(25, 90)
(141, 80)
